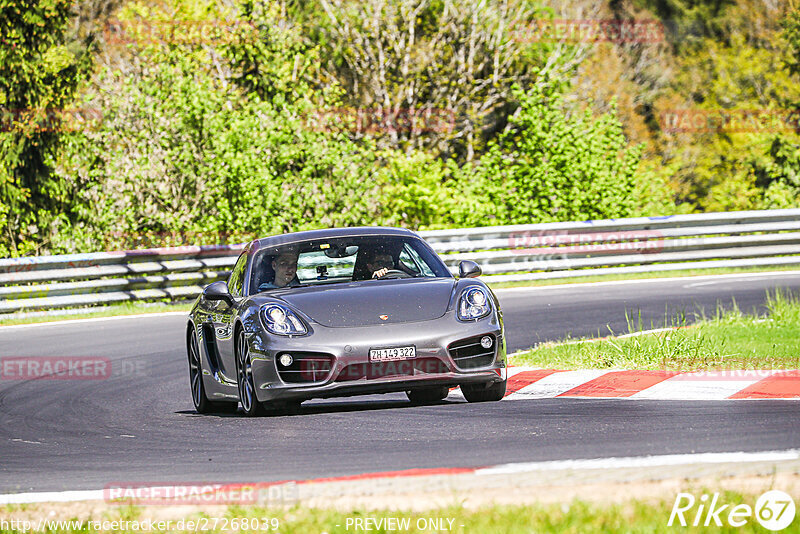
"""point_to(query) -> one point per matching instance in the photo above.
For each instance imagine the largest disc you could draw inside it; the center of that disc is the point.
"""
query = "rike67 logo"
(774, 510)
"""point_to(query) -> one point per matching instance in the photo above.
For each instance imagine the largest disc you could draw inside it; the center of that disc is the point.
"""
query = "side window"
(410, 259)
(236, 279)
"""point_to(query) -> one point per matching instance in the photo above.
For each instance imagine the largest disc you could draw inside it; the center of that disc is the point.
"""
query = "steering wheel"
(393, 273)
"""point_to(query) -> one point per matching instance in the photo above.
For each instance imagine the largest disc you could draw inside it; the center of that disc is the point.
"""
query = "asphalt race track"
(139, 425)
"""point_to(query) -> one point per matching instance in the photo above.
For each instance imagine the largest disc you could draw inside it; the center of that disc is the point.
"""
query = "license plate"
(392, 354)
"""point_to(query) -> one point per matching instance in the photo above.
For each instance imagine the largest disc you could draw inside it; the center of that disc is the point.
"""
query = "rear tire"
(484, 392)
(427, 395)
(201, 403)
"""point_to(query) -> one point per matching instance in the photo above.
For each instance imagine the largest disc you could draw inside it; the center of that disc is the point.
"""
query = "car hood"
(363, 303)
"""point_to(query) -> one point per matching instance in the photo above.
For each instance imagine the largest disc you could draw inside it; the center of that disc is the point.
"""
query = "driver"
(379, 262)
(285, 267)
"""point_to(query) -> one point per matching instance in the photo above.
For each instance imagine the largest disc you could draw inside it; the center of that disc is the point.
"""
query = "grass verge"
(577, 516)
(729, 339)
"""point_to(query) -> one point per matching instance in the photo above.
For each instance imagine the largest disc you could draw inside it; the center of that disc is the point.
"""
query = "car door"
(225, 318)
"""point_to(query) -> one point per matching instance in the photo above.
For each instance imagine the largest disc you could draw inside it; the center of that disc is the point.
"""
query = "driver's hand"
(380, 272)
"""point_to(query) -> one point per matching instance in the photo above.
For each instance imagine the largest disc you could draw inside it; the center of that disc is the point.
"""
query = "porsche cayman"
(340, 312)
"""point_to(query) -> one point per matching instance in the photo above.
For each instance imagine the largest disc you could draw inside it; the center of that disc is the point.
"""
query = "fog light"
(286, 360)
(486, 342)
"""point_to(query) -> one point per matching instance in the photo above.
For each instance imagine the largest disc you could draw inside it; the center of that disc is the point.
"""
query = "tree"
(791, 27)
(209, 142)
(744, 96)
(39, 73)
(553, 165)
(436, 74)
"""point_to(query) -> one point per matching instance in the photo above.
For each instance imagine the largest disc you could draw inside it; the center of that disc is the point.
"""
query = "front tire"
(484, 392)
(244, 378)
(427, 395)
(201, 403)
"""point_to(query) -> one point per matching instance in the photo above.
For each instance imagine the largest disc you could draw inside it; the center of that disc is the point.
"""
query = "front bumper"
(349, 348)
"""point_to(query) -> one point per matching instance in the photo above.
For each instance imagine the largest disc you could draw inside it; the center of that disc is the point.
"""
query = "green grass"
(642, 276)
(576, 517)
(131, 308)
(727, 340)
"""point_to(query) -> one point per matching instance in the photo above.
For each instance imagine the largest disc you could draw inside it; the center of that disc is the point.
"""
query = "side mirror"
(468, 269)
(218, 291)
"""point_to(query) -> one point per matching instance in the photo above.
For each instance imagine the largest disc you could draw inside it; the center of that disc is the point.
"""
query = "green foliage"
(273, 62)
(417, 191)
(791, 27)
(39, 73)
(184, 151)
(220, 140)
(553, 165)
(458, 57)
(745, 164)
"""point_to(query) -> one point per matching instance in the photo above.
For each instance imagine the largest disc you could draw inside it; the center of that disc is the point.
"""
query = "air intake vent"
(469, 353)
(306, 367)
(370, 371)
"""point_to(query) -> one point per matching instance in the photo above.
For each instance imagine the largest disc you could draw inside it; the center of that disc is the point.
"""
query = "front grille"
(469, 354)
(307, 367)
(416, 366)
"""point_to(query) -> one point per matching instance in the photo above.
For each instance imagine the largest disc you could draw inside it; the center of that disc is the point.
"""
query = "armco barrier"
(505, 253)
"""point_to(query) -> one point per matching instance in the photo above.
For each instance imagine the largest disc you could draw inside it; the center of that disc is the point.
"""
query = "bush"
(552, 165)
(184, 151)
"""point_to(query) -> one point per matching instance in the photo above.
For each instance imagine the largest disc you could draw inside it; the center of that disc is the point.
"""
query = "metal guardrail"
(505, 253)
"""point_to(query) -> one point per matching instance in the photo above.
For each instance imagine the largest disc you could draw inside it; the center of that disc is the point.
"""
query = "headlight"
(473, 304)
(282, 321)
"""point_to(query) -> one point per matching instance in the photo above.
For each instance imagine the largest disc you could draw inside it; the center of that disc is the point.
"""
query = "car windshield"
(342, 260)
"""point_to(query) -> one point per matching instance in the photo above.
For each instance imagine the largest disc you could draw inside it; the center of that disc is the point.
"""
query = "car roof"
(327, 233)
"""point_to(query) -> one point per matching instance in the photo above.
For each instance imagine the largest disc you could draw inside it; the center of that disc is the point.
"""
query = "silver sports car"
(340, 312)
